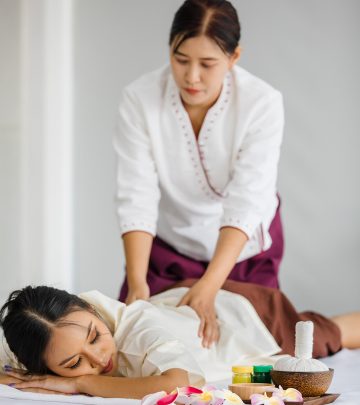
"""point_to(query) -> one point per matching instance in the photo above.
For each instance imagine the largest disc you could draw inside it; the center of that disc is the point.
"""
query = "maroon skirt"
(167, 266)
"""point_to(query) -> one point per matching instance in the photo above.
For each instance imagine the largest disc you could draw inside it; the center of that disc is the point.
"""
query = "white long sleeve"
(137, 181)
(253, 178)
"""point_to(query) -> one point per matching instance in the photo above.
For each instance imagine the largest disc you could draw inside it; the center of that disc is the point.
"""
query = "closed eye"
(207, 66)
(182, 61)
(97, 335)
(77, 364)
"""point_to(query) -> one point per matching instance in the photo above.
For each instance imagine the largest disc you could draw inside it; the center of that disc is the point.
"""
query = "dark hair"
(217, 19)
(31, 313)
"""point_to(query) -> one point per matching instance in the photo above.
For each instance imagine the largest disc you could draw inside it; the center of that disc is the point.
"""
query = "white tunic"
(154, 337)
(185, 189)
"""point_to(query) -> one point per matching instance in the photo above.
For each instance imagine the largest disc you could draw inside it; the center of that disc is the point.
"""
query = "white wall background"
(9, 145)
(309, 50)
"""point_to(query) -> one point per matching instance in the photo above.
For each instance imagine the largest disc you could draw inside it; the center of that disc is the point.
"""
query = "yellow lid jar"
(241, 374)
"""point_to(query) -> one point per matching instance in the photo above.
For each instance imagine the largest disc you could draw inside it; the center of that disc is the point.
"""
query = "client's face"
(81, 345)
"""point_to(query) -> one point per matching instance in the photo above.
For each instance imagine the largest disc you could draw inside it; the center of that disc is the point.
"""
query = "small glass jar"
(261, 374)
(242, 374)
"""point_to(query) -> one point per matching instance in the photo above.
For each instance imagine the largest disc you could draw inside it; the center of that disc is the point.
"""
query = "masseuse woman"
(198, 148)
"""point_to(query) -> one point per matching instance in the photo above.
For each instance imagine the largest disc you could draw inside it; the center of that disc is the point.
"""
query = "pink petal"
(189, 390)
(198, 402)
(168, 399)
(209, 388)
(257, 399)
(151, 399)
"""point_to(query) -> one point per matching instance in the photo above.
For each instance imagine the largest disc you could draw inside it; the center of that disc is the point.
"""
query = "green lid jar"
(262, 374)
(242, 374)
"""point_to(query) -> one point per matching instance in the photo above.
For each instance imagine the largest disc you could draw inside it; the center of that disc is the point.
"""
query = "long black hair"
(28, 317)
(216, 19)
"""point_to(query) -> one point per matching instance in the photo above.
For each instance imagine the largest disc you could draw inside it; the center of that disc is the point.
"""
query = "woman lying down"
(94, 345)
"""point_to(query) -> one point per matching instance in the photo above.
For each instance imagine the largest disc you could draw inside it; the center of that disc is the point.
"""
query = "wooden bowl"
(310, 384)
(244, 390)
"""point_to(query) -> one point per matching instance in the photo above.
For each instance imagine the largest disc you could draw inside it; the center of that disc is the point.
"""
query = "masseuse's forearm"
(137, 247)
(124, 387)
(230, 243)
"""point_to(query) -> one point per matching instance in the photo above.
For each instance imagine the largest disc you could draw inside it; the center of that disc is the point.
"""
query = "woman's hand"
(201, 296)
(202, 300)
(7, 379)
(49, 384)
(140, 291)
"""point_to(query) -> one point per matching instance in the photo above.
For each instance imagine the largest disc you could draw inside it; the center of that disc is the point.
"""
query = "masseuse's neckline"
(197, 146)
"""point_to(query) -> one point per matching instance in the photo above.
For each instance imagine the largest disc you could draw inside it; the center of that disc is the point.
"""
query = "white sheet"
(346, 376)
(346, 382)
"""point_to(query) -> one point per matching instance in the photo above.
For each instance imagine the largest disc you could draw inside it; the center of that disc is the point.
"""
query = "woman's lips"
(192, 91)
(108, 367)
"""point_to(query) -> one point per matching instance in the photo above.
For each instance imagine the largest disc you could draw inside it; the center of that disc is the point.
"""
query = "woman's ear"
(235, 56)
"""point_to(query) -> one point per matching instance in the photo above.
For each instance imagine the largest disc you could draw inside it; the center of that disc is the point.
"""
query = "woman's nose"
(192, 75)
(96, 358)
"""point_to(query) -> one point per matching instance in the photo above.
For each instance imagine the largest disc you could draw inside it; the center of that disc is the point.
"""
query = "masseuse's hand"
(46, 384)
(139, 291)
(201, 298)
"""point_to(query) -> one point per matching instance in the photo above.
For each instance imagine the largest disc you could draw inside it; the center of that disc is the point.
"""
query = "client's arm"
(105, 386)
(137, 387)
(9, 380)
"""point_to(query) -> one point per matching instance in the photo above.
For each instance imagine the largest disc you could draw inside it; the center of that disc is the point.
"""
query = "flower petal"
(184, 399)
(258, 399)
(219, 394)
(228, 396)
(209, 388)
(151, 399)
(168, 399)
(189, 390)
(275, 401)
(291, 394)
(203, 398)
